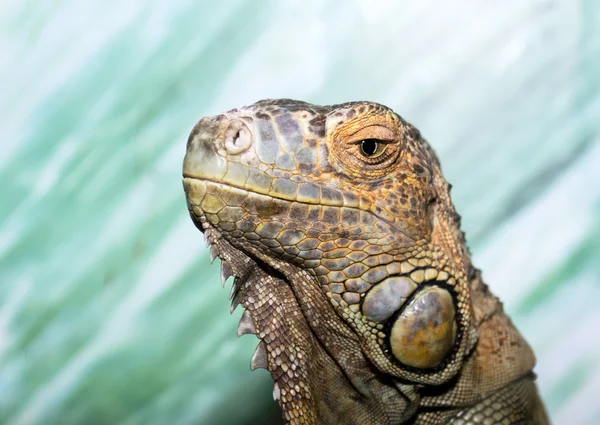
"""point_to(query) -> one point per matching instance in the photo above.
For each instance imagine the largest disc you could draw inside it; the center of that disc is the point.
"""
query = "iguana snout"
(212, 143)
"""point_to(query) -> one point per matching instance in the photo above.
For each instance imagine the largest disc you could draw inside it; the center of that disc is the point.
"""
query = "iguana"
(347, 255)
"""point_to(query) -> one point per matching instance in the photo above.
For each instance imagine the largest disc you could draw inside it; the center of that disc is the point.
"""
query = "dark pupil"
(368, 147)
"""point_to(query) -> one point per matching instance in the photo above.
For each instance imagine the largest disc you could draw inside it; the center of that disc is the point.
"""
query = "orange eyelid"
(372, 132)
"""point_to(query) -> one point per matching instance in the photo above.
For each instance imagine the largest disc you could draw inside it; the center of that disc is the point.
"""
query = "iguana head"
(338, 225)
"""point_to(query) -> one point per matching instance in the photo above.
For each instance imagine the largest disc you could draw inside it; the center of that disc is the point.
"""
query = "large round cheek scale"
(424, 333)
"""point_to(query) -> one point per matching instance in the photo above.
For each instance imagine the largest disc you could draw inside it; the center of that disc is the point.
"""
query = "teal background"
(109, 311)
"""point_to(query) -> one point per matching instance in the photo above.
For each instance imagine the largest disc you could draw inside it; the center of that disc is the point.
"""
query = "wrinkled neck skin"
(342, 382)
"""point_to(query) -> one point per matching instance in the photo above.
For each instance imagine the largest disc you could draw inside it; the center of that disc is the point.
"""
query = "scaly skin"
(348, 257)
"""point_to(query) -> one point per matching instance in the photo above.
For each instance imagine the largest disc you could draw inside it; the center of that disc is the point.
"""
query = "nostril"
(237, 138)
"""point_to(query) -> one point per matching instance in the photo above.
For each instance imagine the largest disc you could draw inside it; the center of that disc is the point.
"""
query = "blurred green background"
(109, 311)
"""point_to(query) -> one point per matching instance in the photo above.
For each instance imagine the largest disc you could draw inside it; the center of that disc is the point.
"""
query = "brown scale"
(337, 223)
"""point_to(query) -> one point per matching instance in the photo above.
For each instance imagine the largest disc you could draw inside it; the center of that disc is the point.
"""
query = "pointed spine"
(259, 359)
(246, 325)
(225, 273)
(235, 302)
(237, 284)
(214, 252)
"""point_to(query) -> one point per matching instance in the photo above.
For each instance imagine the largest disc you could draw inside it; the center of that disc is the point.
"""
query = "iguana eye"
(368, 147)
(372, 148)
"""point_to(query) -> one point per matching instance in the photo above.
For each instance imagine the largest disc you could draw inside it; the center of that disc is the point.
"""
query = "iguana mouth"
(198, 211)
